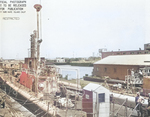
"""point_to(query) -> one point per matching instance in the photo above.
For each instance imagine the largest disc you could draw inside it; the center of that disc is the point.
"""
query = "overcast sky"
(77, 28)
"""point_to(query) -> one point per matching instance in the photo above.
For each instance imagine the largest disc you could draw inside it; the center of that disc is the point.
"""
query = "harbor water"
(74, 72)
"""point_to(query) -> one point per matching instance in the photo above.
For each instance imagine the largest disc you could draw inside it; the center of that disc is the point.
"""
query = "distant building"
(49, 62)
(128, 52)
(117, 67)
(1, 63)
(60, 60)
(17, 64)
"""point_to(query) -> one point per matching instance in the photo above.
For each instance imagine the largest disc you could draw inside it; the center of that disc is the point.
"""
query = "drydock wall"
(24, 101)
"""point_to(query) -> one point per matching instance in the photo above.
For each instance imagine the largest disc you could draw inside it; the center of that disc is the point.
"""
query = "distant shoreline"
(76, 64)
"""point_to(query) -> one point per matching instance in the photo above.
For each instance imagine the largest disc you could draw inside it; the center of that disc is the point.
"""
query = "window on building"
(30, 64)
(115, 70)
(118, 53)
(97, 69)
(101, 97)
(105, 69)
(131, 52)
(87, 96)
(146, 52)
(124, 53)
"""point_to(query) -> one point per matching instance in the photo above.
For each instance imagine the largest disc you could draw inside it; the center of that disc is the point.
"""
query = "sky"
(77, 28)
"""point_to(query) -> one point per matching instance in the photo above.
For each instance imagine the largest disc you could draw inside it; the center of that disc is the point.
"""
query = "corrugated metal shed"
(96, 100)
(143, 59)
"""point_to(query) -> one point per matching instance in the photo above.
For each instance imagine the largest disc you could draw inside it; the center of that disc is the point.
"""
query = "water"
(71, 71)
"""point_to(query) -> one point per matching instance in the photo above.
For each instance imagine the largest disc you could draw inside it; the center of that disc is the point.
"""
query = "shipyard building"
(117, 67)
(146, 50)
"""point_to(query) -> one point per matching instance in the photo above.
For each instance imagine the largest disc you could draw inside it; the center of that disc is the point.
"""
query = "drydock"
(37, 87)
(38, 106)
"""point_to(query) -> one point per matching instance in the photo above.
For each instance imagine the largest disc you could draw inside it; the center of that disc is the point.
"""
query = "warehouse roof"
(143, 59)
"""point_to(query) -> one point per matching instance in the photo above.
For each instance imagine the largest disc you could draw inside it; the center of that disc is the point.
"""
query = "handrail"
(120, 107)
(133, 110)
